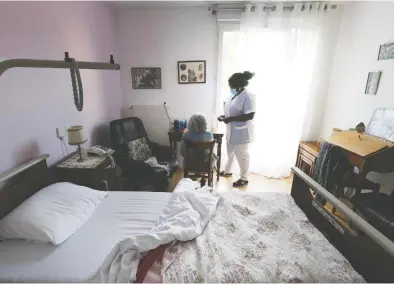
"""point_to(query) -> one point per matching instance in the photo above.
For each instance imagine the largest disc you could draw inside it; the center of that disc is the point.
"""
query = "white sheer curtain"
(283, 49)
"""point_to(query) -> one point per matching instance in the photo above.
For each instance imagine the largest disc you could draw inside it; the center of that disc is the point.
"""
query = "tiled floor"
(256, 183)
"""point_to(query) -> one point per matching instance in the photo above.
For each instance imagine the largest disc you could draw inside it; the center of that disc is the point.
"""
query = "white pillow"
(52, 214)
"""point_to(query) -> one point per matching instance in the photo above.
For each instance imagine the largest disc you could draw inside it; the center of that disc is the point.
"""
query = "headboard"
(22, 182)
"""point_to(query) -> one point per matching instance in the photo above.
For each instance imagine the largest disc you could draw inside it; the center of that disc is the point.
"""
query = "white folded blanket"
(184, 218)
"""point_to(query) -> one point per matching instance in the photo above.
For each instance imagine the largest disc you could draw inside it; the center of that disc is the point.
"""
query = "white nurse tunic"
(238, 133)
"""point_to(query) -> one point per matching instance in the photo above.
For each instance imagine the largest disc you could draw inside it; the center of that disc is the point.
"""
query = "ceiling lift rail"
(68, 63)
(39, 63)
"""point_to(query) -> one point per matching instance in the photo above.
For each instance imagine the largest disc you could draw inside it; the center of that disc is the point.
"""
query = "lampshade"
(76, 135)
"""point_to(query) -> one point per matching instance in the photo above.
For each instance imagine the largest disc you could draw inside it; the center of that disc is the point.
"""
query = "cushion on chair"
(139, 149)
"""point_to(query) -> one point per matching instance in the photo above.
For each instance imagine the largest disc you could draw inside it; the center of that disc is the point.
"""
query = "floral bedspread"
(258, 238)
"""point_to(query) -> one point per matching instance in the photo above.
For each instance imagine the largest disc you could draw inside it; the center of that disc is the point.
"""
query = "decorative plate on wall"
(191, 72)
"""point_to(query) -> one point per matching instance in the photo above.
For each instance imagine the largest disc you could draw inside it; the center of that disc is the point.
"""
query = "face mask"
(234, 92)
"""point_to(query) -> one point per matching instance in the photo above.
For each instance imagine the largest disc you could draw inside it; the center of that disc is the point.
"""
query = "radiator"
(154, 119)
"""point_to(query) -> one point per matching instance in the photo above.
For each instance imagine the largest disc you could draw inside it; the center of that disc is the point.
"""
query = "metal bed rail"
(357, 220)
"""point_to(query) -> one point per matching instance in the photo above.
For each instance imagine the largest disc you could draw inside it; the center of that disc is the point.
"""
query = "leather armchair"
(138, 174)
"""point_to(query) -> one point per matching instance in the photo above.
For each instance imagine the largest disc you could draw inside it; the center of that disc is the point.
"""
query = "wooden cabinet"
(307, 155)
(101, 177)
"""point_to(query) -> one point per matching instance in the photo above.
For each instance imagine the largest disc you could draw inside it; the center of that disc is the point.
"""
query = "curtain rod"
(39, 63)
(214, 8)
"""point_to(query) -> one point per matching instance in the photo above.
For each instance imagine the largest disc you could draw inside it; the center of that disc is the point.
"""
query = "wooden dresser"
(366, 152)
(307, 154)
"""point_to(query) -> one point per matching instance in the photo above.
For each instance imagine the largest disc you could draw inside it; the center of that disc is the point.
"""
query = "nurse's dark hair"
(240, 80)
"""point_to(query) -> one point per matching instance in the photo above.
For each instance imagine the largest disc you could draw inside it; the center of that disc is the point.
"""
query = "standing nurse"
(239, 111)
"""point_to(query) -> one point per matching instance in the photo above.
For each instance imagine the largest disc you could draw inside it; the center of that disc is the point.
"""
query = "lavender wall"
(33, 102)
(159, 37)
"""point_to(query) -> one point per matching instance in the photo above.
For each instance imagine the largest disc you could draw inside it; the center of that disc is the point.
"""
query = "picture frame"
(372, 82)
(386, 51)
(146, 78)
(382, 124)
(191, 72)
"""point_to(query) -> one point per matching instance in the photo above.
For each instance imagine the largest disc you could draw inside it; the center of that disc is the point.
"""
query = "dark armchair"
(137, 173)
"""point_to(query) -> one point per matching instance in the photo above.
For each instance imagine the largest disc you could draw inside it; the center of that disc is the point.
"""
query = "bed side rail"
(369, 230)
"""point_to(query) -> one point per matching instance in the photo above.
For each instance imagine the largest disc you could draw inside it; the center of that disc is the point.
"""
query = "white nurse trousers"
(242, 157)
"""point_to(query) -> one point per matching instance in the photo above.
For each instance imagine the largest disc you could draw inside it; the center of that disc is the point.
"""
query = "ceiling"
(157, 4)
(179, 4)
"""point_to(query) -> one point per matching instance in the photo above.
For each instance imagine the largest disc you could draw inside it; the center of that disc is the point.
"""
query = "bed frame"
(22, 182)
(370, 253)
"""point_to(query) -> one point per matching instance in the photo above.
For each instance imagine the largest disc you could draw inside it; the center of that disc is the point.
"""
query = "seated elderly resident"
(197, 132)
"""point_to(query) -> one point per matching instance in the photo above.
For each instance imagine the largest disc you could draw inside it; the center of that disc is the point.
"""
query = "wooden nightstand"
(96, 173)
(307, 154)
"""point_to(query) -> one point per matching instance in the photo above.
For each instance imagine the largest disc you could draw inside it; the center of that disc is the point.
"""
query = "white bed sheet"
(121, 215)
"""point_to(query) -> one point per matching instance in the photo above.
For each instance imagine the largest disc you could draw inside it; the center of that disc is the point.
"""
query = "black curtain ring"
(252, 8)
(311, 7)
(274, 8)
(244, 9)
(264, 8)
(326, 7)
(333, 6)
(303, 7)
(292, 8)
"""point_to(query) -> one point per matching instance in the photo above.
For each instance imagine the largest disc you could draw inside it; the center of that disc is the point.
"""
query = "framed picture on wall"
(382, 123)
(146, 78)
(372, 83)
(386, 51)
(191, 72)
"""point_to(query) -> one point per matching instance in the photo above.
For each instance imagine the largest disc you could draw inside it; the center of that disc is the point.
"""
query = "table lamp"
(76, 136)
